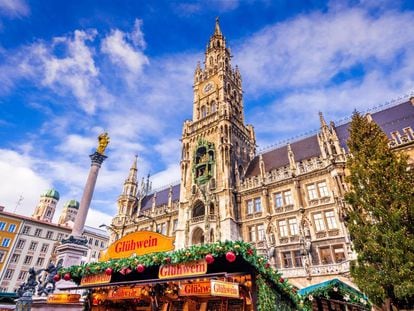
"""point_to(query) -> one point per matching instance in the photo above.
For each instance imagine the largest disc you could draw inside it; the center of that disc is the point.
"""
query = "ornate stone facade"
(288, 202)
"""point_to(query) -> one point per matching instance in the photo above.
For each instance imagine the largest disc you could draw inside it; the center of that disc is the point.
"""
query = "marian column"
(71, 250)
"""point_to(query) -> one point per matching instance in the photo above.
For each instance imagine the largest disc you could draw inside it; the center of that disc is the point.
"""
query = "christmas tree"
(380, 216)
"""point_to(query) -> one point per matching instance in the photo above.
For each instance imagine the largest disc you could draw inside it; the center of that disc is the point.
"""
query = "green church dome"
(51, 193)
(71, 204)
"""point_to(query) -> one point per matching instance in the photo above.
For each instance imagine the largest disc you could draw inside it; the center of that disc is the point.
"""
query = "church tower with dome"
(68, 214)
(46, 208)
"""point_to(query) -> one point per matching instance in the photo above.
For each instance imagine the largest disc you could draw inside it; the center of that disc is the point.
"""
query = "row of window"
(285, 198)
(33, 245)
(38, 232)
(27, 261)
(97, 242)
(327, 255)
(50, 236)
(290, 226)
(3, 225)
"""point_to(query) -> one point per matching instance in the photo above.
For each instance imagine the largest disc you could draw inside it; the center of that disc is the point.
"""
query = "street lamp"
(110, 227)
(150, 218)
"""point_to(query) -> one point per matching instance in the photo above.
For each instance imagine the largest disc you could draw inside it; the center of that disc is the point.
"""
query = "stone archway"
(197, 236)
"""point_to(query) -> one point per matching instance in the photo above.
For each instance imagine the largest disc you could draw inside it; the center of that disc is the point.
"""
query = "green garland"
(195, 252)
(335, 288)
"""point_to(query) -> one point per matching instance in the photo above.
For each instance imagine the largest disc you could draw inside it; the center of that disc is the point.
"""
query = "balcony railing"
(327, 269)
(197, 219)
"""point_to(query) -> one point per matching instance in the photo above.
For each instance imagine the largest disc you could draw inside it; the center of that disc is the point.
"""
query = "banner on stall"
(191, 268)
(224, 289)
(138, 243)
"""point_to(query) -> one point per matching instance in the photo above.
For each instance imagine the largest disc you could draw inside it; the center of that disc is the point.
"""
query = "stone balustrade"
(327, 269)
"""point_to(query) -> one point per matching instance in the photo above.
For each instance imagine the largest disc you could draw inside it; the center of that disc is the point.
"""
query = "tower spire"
(132, 177)
(217, 30)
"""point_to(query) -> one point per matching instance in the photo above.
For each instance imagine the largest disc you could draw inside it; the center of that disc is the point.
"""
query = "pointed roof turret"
(322, 119)
(217, 30)
(132, 177)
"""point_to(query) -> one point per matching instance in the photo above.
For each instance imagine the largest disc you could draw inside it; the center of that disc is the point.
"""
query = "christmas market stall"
(333, 295)
(211, 277)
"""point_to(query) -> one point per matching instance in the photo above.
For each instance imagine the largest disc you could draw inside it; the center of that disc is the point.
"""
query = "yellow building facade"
(9, 228)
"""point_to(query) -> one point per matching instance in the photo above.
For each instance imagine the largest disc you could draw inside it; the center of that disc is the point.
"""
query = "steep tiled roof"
(161, 198)
(391, 119)
(302, 149)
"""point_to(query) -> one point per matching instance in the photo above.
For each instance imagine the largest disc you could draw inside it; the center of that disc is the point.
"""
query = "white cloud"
(169, 148)
(167, 177)
(332, 62)
(19, 178)
(96, 218)
(66, 66)
(311, 49)
(137, 36)
(126, 53)
(76, 144)
(14, 8)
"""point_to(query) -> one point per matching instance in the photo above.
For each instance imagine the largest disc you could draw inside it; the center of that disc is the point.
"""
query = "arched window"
(213, 107)
(198, 236)
(199, 209)
(203, 111)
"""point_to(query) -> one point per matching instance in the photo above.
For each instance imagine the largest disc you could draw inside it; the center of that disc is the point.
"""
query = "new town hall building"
(288, 202)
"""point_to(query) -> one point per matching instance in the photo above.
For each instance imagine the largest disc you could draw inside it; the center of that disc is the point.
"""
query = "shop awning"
(334, 289)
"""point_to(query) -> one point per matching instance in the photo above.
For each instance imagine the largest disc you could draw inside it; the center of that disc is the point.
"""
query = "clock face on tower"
(208, 87)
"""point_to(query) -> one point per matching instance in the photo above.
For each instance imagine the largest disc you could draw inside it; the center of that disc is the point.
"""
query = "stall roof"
(334, 289)
(327, 284)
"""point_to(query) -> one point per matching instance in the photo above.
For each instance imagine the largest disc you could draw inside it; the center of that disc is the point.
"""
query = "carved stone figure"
(48, 285)
(30, 284)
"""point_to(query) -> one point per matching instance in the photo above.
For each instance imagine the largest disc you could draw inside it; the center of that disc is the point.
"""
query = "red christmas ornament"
(167, 260)
(249, 251)
(56, 278)
(267, 265)
(108, 271)
(140, 268)
(67, 276)
(281, 280)
(230, 256)
(209, 258)
(125, 271)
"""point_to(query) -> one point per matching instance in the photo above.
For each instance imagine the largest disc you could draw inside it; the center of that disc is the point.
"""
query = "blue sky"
(72, 69)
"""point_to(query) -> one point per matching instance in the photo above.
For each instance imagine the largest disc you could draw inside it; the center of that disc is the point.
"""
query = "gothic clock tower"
(216, 148)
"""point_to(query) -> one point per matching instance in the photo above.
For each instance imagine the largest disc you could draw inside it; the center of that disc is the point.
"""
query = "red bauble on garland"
(267, 265)
(249, 251)
(140, 268)
(167, 259)
(109, 271)
(125, 271)
(67, 276)
(209, 258)
(230, 256)
(281, 280)
(56, 278)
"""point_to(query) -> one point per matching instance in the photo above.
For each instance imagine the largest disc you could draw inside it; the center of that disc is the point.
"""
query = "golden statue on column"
(103, 141)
